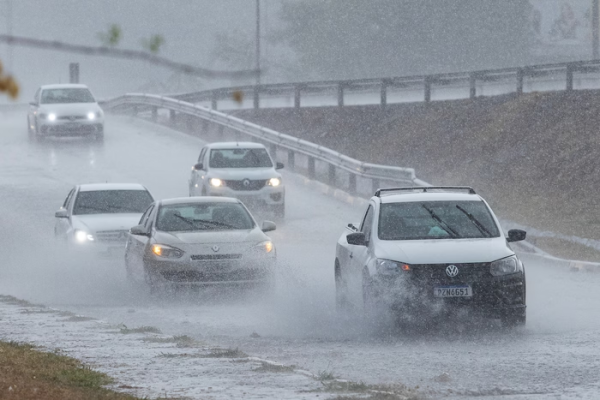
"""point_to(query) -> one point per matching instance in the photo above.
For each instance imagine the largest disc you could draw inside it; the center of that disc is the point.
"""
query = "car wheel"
(279, 211)
(341, 290)
(514, 320)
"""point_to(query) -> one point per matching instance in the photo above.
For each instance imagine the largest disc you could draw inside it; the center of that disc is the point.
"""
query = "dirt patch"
(535, 158)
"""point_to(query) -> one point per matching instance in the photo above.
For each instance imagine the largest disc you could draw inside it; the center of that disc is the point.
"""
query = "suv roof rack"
(424, 189)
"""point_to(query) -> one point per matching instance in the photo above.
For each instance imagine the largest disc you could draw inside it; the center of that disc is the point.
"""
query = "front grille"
(200, 257)
(245, 274)
(246, 184)
(116, 236)
(437, 272)
(72, 117)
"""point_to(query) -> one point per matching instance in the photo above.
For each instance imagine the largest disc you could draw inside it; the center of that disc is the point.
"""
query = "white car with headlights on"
(200, 241)
(243, 170)
(65, 110)
(426, 253)
(97, 217)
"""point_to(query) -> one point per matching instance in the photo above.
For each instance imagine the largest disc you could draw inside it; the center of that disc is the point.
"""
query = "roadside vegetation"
(27, 373)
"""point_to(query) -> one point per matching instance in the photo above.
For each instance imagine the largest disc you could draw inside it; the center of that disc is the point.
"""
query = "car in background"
(200, 241)
(428, 252)
(65, 110)
(243, 170)
(97, 217)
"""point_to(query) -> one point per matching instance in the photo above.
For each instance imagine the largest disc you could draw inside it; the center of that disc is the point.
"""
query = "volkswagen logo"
(451, 271)
(246, 182)
(215, 248)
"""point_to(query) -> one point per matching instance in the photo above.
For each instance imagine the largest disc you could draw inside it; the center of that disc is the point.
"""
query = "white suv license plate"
(453, 291)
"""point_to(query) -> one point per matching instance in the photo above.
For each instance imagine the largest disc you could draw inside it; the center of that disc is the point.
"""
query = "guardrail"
(335, 161)
(517, 77)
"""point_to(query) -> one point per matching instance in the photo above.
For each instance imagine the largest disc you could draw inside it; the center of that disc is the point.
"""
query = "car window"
(145, 216)
(68, 199)
(111, 202)
(367, 224)
(203, 217)
(202, 154)
(66, 96)
(36, 98)
(240, 158)
(436, 220)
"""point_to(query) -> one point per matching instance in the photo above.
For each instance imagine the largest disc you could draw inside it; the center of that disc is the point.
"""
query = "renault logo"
(246, 182)
(451, 271)
(215, 248)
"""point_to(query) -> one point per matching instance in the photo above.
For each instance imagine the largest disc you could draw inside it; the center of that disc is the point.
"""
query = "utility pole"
(258, 42)
(595, 30)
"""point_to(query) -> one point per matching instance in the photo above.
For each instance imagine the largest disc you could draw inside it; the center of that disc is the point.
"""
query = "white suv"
(243, 170)
(425, 253)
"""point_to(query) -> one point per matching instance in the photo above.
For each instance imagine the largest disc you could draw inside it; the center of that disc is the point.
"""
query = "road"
(556, 356)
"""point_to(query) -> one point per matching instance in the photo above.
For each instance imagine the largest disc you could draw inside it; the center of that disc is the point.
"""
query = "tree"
(377, 38)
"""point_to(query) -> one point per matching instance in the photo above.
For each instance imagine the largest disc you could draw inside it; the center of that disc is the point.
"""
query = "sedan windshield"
(203, 217)
(240, 158)
(436, 220)
(112, 202)
(66, 96)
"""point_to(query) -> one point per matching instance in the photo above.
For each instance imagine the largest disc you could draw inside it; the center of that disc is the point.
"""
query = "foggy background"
(301, 39)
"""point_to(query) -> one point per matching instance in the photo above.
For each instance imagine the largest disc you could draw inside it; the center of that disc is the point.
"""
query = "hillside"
(535, 158)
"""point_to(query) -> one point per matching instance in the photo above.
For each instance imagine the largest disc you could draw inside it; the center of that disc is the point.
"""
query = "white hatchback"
(65, 110)
(431, 252)
(243, 170)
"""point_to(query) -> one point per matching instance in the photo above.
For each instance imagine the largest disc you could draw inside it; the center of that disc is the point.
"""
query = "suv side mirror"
(62, 213)
(357, 239)
(278, 165)
(516, 235)
(268, 226)
(138, 230)
(198, 166)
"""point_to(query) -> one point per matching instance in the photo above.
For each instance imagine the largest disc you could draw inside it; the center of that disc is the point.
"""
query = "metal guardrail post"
(570, 69)
(297, 96)
(472, 86)
(172, 116)
(384, 85)
(154, 113)
(520, 75)
(340, 94)
(352, 184)
(331, 175)
(214, 99)
(256, 97)
(427, 94)
(311, 168)
(291, 160)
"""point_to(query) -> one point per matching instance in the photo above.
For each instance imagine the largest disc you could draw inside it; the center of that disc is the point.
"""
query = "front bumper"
(230, 272)
(70, 128)
(492, 296)
(267, 195)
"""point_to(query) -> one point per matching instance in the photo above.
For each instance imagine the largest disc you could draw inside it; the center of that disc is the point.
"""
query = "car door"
(360, 254)
(197, 175)
(136, 245)
(62, 226)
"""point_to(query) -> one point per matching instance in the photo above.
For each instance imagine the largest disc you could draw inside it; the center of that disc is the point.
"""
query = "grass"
(325, 376)
(273, 368)
(79, 318)
(349, 390)
(182, 341)
(141, 329)
(226, 353)
(26, 373)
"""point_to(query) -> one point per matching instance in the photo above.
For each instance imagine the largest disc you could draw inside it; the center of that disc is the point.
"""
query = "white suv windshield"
(66, 96)
(240, 158)
(436, 220)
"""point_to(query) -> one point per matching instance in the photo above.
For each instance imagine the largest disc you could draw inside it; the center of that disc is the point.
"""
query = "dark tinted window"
(65, 96)
(112, 202)
(436, 220)
(239, 158)
(203, 217)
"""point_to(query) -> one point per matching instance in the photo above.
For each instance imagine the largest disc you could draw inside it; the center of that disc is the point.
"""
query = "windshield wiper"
(484, 231)
(215, 223)
(90, 208)
(442, 224)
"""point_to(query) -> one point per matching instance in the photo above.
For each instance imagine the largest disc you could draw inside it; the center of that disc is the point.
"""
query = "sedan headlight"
(265, 247)
(389, 267)
(216, 182)
(51, 117)
(274, 182)
(83, 236)
(505, 266)
(164, 251)
(91, 116)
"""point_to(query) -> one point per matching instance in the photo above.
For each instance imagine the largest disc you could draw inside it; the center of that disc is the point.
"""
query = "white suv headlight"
(505, 266)
(91, 116)
(83, 236)
(274, 182)
(389, 267)
(216, 182)
(265, 247)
